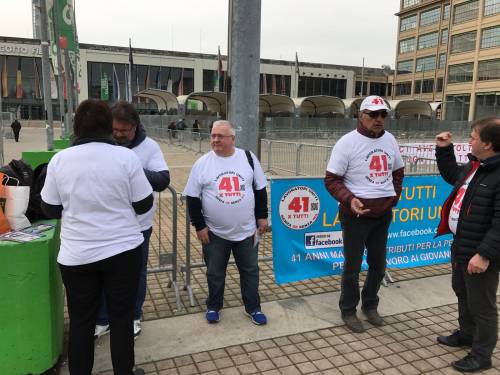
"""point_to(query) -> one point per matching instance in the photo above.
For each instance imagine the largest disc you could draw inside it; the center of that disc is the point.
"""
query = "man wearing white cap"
(365, 175)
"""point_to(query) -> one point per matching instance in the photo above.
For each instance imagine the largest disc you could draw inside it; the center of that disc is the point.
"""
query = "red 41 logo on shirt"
(379, 163)
(228, 183)
(230, 187)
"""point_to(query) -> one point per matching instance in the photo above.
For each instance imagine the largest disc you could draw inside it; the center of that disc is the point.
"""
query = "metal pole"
(362, 77)
(243, 70)
(47, 100)
(69, 87)
(1, 124)
(60, 83)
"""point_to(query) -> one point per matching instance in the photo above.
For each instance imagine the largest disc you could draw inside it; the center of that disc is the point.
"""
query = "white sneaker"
(101, 330)
(137, 328)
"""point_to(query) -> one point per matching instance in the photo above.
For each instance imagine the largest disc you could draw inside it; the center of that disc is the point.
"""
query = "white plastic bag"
(16, 204)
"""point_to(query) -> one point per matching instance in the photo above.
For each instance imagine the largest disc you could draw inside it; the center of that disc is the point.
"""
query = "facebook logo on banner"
(323, 240)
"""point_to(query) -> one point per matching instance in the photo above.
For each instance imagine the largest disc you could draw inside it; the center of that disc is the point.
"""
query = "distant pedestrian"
(16, 129)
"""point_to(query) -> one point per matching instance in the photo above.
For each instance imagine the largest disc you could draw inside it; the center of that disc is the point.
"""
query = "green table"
(61, 144)
(32, 305)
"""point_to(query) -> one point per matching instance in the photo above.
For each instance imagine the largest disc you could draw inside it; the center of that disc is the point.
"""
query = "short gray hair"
(225, 123)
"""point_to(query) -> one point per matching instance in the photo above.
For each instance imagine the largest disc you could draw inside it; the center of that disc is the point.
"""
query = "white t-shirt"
(151, 157)
(366, 164)
(457, 203)
(96, 184)
(224, 185)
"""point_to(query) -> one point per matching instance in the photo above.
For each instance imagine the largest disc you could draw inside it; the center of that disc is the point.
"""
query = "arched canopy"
(411, 108)
(213, 101)
(352, 106)
(271, 103)
(164, 100)
(319, 104)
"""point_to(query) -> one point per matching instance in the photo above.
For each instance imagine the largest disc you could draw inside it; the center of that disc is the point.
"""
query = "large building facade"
(102, 75)
(449, 51)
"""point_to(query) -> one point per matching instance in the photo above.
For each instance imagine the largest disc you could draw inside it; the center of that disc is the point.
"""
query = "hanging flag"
(218, 73)
(169, 80)
(273, 84)
(19, 80)
(53, 83)
(5, 86)
(116, 85)
(130, 68)
(158, 78)
(37, 92)
(297, 69)
(264, 83)
(180, 88)
(127, 92)
(104, 86)
(283, 85)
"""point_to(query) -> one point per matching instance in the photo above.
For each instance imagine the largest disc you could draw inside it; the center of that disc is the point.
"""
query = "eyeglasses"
(375, 114)
(215, 136)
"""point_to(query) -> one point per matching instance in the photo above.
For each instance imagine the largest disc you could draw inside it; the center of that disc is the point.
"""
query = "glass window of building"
(439, 84)
(407, 45)
(490, 37)
(403, 88)
(442, 61)
(405, 67)
(408, 23)
(430, 16)
(444, 36)
(460, 73)
(446, 12)
(427, 86)
(491, 7)
(379, 88)
(463, 42)
(428, 40)
(466, 11)
(424, 64)
(488, 70)
(361, 88)
(487, 104)
(457, 107)
(309, 86)
(410, 3)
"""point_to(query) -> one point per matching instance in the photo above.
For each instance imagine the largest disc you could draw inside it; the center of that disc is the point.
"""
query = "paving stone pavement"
(406, 345)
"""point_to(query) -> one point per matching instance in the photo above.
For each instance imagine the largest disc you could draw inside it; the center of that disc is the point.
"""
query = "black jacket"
(478, 229)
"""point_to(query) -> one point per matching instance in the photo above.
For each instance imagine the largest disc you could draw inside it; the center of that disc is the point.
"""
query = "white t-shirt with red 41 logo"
(225, 187)
(457, 203)
(366, 164)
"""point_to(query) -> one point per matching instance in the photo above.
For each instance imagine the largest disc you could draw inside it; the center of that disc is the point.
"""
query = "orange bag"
(4, 223)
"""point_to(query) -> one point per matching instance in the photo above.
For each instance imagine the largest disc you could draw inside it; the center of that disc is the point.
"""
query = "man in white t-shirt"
(365, 175)
(227, 202)
(128, 132)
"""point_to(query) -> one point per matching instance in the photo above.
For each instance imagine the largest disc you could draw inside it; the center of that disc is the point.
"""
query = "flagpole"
(46, 74)
(60, 84)
(130, 61)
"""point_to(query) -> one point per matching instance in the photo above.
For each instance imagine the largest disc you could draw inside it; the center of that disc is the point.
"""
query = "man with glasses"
(227, 202)
(365, 175)
(128, 132)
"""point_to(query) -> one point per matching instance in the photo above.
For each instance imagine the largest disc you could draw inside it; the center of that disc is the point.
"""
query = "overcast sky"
(323, 31)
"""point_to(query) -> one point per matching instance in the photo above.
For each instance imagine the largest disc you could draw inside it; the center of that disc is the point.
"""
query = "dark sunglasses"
(377, 113)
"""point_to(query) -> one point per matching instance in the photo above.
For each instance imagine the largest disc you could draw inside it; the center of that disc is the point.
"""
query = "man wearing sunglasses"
(365, 175)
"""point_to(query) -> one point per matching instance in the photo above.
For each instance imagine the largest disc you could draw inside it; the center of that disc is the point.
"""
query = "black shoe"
(454, 340)
(471, 364)
(353, 323)
(138, 371)
(373, 317)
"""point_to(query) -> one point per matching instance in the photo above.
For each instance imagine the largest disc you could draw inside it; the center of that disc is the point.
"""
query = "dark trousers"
(16, 136)
(216, 255)
(359, 233)
(477, 307)
(102, 317)
(118, 277)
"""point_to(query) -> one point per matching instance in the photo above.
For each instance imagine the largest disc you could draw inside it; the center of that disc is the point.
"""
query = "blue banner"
(307, 236)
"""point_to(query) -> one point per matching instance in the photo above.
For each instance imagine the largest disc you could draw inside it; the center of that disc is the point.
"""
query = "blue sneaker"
(258, 318)
(212, 316)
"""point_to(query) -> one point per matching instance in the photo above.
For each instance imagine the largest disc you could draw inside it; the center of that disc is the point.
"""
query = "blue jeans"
(216, 255)
(102, 318)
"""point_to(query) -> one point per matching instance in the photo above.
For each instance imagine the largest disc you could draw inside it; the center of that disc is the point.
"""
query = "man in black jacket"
(472, 214)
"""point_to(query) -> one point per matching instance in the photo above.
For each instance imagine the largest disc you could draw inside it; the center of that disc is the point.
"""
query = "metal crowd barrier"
(167, 262)
(189, 266)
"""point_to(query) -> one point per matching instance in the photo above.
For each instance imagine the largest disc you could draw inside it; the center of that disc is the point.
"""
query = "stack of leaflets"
(27, 234)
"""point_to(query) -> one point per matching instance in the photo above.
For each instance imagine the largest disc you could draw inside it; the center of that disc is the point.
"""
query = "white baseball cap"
(374, 103)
